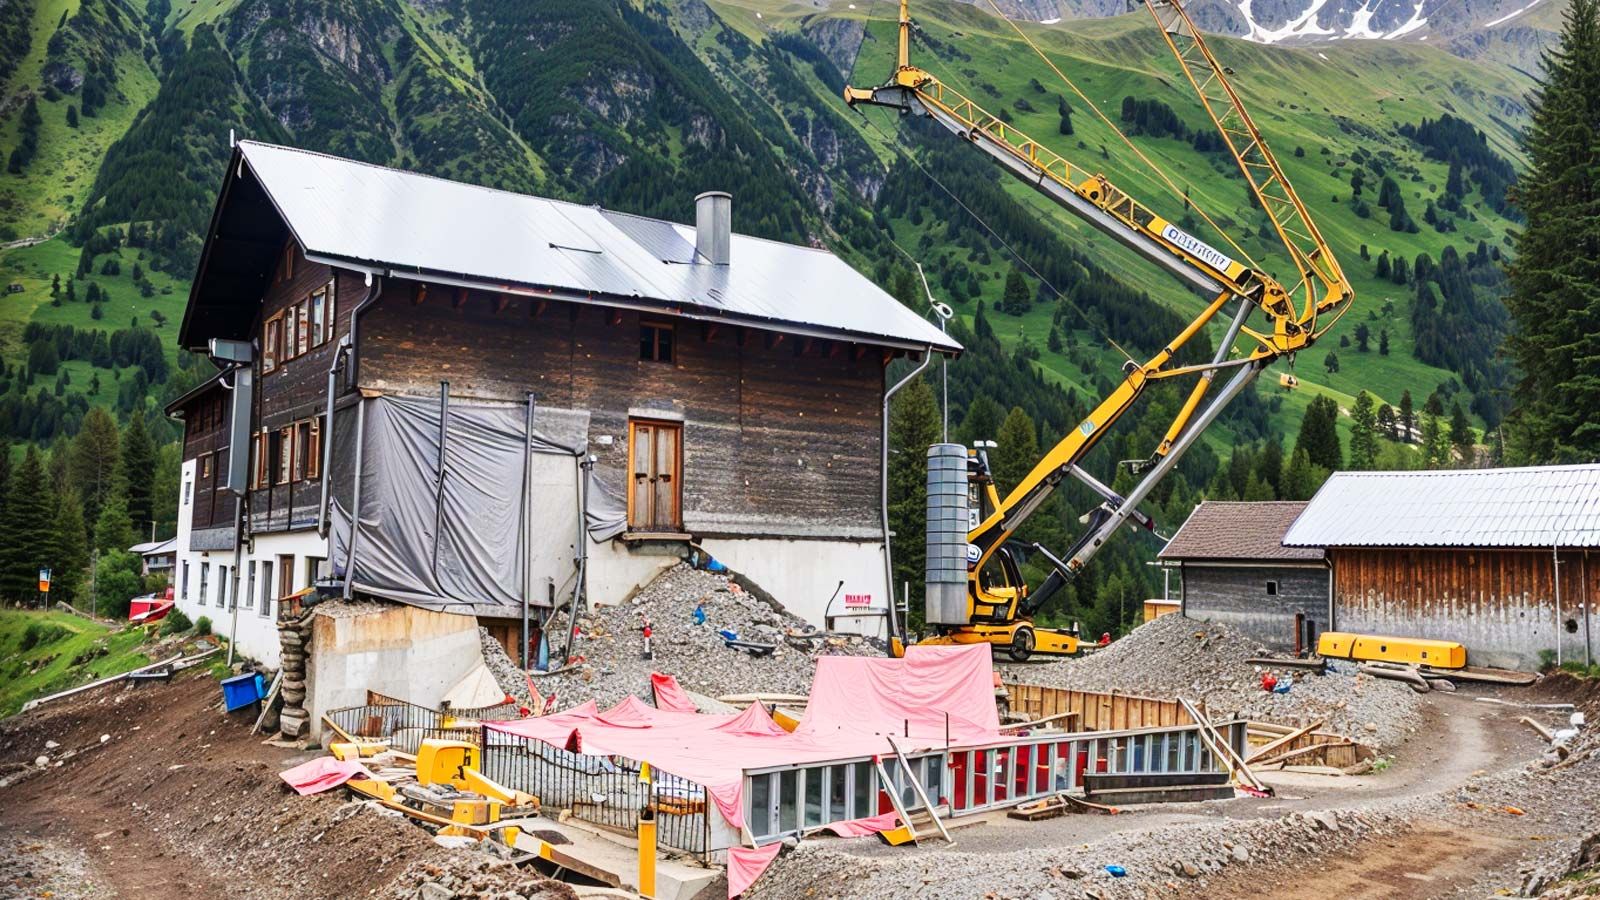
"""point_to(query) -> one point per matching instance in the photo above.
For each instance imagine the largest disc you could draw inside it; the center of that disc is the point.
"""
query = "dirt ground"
(153, 792)
(165, 797)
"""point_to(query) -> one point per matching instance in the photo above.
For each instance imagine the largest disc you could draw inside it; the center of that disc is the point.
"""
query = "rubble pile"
(464, 876)
(1202, 661)
(506, 673)
(611, 643)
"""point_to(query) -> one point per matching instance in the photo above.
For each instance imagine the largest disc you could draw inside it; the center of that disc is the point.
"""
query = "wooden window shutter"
(314, 459)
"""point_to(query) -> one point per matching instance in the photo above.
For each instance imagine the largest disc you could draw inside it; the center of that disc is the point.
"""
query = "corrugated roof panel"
(1542, 506)
(406, 222)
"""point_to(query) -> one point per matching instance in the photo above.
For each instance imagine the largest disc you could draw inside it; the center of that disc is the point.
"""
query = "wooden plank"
(1286, 740)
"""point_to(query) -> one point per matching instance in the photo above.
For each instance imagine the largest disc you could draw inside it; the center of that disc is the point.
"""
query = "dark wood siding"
(296, 389)
(1500, 603)
(205, 437)
(1236, 596)
(780, 432)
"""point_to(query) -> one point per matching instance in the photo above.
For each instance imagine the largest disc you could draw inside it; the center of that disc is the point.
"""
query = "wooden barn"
(521, 385)
(1236, 571)
(1496, 559)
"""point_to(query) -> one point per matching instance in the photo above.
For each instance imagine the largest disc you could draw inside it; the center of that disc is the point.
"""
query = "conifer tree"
(1018, 450)
(1462, 437)
(69, 555)
(138, 467)
(1364, 433)
(913, 426)
(96, 452)
(1319, 435)
(1555, 280)
(25, 529)
(1408, 417)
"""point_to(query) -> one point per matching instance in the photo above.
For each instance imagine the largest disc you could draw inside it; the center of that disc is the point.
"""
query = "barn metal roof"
(408, 225)
(1237, 531)
(1542, 506)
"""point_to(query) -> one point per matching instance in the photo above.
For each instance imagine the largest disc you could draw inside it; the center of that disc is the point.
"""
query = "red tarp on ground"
(933, 695)
(863, 827)
(745, 865)
(322, 774)
(670, 694)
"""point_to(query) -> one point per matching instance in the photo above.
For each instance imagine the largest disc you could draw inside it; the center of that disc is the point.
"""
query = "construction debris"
(1207, 662)
(610, 644)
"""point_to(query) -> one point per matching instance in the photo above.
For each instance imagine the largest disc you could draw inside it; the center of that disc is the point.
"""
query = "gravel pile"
(1157, 861)
(1178, 657)
(483, 878)
(611, 643)
(505, 671)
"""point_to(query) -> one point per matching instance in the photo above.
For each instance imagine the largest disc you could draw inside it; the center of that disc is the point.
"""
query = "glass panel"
(933, 778)
(319, 317)
(980, 778)
(788, 800)
(814, 796)
(861, 791)
(761, 805)
(664, 344)
(837, 797)
(1002, 774)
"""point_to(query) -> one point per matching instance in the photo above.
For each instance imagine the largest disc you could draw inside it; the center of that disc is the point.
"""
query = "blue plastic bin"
(240, 691)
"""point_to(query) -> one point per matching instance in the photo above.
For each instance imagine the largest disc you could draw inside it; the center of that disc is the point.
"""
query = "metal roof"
(1542, 506)
(417, 226)
(1238, 531)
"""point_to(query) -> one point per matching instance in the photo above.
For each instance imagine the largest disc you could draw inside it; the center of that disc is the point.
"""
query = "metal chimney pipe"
(713, 226)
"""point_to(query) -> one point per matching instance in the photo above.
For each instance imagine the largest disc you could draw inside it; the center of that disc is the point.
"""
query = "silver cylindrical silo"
(946, 569)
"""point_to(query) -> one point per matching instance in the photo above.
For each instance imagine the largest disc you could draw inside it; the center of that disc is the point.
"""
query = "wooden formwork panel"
(1096, 711)
(1339, 751)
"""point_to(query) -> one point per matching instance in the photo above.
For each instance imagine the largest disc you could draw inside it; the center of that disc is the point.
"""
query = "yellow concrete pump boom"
(1296, 315)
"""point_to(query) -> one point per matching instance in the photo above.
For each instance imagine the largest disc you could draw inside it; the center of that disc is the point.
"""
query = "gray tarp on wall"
(477, 559)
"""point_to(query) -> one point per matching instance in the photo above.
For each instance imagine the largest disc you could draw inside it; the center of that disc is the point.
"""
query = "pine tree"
(138, 467)
(913, 426)
(1331, 362)
(1302, 478)
(1269, 466)
(1461, 435)
(1319, 434)
(1364, 433)
(1383, 264)
(1435, 443)
(1408, 417)
(1554, 297)
(982, 421)
(69, 555)
(95, 455)
(111, 529)
(1016, 299)
(1388, 425)
(1383, 342)
(1363, 335)
(1018, 450)
(25, 529)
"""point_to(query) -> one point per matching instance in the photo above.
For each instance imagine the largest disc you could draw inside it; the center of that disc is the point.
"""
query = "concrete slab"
(613, 860)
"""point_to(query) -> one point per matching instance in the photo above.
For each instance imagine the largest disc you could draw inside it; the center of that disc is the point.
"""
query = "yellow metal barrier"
(1412, 651)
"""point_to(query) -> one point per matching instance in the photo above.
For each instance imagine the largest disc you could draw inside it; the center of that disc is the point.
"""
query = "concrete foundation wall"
(803, 576)
(400, 651)
(1236, 596)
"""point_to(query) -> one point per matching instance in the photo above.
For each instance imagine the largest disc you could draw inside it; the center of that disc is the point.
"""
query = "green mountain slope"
(639, 105)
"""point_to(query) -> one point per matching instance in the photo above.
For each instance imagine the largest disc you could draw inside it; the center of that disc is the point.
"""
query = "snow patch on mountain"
(1416, 21)
(1510, 15)
(1303, 25)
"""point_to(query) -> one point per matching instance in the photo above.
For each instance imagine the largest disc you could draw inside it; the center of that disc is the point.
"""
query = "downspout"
(883, 498)
(339, 356)
(523, 529)
(345, 355)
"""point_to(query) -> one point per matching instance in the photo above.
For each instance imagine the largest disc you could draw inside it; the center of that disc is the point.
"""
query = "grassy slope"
(51, 188)
(48, 667)
(34, 266)
(1295, 95)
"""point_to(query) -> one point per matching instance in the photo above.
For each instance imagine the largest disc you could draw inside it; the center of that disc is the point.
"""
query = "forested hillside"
(115, 117)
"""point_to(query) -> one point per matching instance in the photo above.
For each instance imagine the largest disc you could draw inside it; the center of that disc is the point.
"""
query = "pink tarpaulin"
(322, 774)
(745, 865)
(670, 694)
(933, 695)
(863, 827)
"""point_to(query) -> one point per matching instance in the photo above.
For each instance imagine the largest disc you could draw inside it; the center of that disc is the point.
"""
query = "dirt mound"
(178, 799)
(1178, 657)
(612, 644)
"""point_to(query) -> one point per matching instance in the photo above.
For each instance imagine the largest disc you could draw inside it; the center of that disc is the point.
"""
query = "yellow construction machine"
(1000, 608)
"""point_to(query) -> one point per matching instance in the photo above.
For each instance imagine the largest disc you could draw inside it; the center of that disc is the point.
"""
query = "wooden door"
(655, 459)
